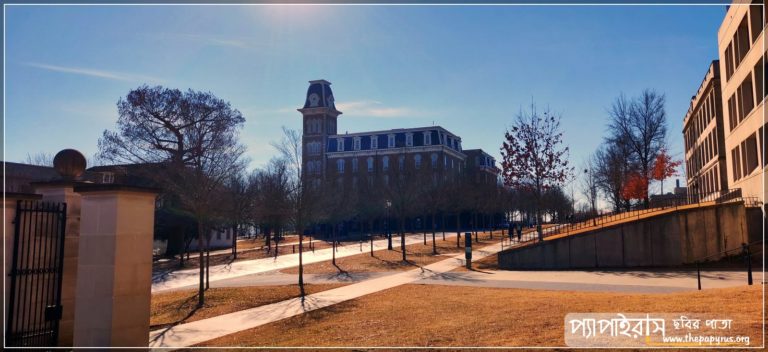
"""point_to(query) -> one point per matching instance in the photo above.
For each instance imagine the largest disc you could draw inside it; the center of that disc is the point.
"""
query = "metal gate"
(34, 303)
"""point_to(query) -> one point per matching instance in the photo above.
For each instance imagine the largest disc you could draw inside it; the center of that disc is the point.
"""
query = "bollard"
(748, 258)
(468, 249)
(698, 275)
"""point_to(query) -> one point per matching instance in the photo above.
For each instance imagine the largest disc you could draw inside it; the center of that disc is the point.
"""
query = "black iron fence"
(34, 305)
(658, 205)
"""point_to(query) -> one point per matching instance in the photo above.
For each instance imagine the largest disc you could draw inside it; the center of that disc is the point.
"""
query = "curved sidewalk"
(189, 334)
(190, 277)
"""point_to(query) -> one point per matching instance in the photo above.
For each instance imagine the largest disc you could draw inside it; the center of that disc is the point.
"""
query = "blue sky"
(467, 68)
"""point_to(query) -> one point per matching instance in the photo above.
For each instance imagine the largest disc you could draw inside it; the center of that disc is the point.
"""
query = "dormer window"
(427, 138)
(409, 139)
(357, 143)
(340, 145)
(391, 141)
(108, 177)
(374, 142)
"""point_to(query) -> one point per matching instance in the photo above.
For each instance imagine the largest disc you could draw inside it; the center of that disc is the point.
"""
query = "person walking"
(519, 233)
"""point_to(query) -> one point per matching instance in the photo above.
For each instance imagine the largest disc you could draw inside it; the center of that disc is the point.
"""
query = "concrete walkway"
(190, 277)
(207, 329)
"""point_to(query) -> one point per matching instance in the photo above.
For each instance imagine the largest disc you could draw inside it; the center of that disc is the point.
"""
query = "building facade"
(742, 50)
(328, 155)
(704, 138)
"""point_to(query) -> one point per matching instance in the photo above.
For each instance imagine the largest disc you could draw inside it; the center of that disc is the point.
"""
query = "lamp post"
(389, 232)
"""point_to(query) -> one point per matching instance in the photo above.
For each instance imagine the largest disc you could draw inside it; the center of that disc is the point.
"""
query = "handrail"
(745, 252)
(601, 219)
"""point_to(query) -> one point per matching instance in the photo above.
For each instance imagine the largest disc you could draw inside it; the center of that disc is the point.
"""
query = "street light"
(388, 205)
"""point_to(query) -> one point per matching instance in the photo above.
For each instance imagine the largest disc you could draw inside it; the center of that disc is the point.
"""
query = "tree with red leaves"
(636, 187)
(664, 167)
(533, 157)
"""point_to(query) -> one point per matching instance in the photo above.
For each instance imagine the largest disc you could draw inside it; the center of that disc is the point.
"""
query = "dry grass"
(385, 260)
(171, 308)
(431, 315)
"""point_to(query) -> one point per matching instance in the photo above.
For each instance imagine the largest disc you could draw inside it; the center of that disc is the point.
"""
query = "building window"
(417, 160)
(391, 141)
(354, 164)
(374, 142)
(756, 19)
(409, 139)
(747, 103)
(340, 145)
(357, 143)
(310, 167)
(340, 165)
(401, 162)
(108, 177)
(434, 160)
(729, 61)
(759, 89)
(735, 164)
(369, 161)
(750, 151)
(385, 163)
(428, 138)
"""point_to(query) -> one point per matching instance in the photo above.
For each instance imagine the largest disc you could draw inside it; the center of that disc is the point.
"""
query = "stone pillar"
(115, 266)
(63, 192)
(9, 212)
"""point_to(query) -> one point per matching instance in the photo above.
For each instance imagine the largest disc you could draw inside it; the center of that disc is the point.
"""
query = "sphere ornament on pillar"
(69, 163)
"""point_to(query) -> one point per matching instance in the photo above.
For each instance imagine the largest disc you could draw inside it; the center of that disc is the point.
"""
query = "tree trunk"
(301, 262)
(458, 230)
(432, 225)
(402, 239)
(442, 223)
(234, 241)
(201, 288)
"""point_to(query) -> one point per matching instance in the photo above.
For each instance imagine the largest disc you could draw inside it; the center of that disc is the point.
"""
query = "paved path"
(207, 329)
(190, 277)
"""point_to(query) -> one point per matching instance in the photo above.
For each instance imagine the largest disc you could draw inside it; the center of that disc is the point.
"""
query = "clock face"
(314, 99)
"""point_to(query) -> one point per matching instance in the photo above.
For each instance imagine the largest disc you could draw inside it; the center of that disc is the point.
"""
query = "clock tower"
(319, 114)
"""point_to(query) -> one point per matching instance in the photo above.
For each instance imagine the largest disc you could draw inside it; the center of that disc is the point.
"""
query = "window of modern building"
(742, 41)
(357, 143)
(747, 103)
(369, 161)
(729, 61)
(340, 166)
(735, 163)
(427, 138)
(759, 79)
(385, 163)
(732, 112)
(108, 177)
(401, 162)
(750, 147)
(391, 141)
(756, 20)
(354, 165)
(409, 139)
(763, 144)
(417, 160)
(434, 160)
(374, 142)
(340, 145)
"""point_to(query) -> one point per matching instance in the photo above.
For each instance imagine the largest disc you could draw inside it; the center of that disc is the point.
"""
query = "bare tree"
(640, 124)
(613, 163)
(589, 183)
(191, 137)
(533, 156)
